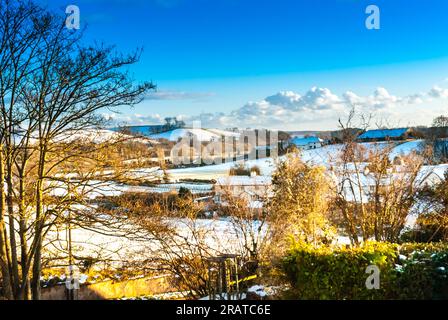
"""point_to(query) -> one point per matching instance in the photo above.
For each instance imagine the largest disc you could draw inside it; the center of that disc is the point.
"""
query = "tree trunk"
(37, 263)
(6, 277)
(25, 290)
(12, 233)
(40, 221)
(37, 268)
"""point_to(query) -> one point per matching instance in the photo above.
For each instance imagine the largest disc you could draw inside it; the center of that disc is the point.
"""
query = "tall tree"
(52, 86)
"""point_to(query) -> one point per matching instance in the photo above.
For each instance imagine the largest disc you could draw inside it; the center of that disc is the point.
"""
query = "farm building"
(307, 143)
(386, 134)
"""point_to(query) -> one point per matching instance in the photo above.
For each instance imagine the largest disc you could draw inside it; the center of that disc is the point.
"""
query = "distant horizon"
(261, 128)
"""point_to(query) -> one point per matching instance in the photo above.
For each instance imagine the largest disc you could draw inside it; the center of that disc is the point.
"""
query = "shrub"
(255, 170)
(239, 170)
(422, 271)
(326, 273)
(431, 227)
(409, 271)
(185, 193)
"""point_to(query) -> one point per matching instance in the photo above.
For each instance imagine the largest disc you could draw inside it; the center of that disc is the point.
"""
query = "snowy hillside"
(224, 133)
(88, 136)
(100, 136)
(407, 147)
(203, 135)
(320, 156)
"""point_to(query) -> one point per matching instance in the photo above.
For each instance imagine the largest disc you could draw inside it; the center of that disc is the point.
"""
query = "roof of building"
(303, 141)
(383, 133)
(244, 181)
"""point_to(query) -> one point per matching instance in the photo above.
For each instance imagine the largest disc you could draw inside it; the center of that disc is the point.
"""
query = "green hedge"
(408, 271)
(422, 271)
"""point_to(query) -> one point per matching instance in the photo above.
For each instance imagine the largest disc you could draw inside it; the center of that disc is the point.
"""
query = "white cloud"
(415, 98)
(381, 99)
(289, 108)
(317, 107)
(438, 92)
(288, 99)
(319, 99)
(283, 108)
(314, 99)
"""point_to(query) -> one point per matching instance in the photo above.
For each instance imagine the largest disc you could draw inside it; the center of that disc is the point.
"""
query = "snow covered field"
(220, 234)
(326, 156)
(321, 156)
(125, 245)
(203, 135)
(120, 247)
(96, 136)
(94, 189)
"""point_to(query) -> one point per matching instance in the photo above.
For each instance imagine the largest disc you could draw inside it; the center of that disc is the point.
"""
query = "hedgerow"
(407, 271)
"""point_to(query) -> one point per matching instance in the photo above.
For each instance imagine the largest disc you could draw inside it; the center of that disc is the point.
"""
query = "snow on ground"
(258, 290)
(266, 166)
(331, 153)
(406, 148)
(121, 246)
(224, 133)
(320, 156)
(218, 234)
(100, 136)
(221, 234)
(176, 134)
(203, 135)
(432, 174)
(342, 240)
(109, 244)
(94, 188)
(225, 297)
(96, 136)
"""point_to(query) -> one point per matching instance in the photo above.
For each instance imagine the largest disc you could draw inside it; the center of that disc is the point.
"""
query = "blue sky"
(288, 64)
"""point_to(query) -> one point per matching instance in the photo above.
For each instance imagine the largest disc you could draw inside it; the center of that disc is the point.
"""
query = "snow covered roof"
(299, 141)
(383, 133)
(244, 181)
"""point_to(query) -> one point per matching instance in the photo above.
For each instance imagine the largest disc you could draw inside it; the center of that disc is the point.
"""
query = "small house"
(307, 143)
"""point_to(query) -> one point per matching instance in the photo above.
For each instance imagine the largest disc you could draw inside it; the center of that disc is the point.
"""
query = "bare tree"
(373, 193)
(249, 218)
(440, 122)
(51, 85)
